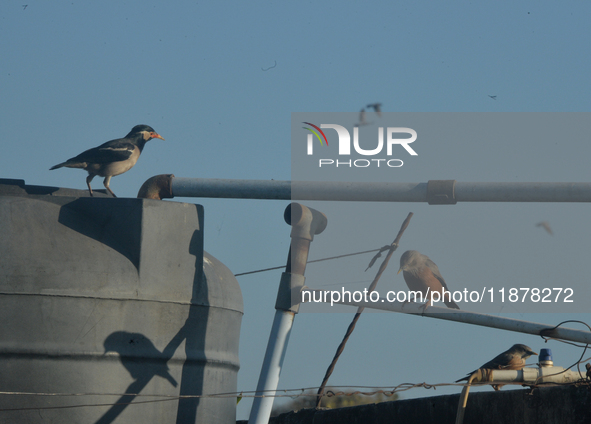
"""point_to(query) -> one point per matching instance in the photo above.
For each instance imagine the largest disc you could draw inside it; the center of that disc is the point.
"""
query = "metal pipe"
(527, 376)
(523, 192)
(158, 187)
(233, 189)
(305, 223)
(530, 376)
(434, 192)
(271, 369)
(471, 318)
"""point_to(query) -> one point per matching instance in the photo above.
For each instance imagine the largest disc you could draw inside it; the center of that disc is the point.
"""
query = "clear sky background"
(76, 74)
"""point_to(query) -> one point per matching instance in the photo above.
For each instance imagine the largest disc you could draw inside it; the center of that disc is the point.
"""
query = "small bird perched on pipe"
(512, 359)
(421, 274)
(113, 157)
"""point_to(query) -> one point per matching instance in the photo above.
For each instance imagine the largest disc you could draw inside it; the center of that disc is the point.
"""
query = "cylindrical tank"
(111, 312)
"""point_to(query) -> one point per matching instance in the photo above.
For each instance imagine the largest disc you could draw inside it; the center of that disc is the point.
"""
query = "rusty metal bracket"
(441, 192)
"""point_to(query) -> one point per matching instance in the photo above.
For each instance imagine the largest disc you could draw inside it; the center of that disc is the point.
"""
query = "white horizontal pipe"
(474, 318)
(532, 376)
(377, 191)
(523, 192)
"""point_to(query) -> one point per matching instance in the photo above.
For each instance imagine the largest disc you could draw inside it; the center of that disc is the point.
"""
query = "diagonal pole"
(372, 287)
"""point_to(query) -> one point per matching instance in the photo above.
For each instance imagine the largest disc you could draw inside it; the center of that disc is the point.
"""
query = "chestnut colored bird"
(512, 359)
(421, 274)
(113, 157)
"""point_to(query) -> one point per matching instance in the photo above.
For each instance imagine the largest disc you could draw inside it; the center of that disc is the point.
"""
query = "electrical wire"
(309, 262)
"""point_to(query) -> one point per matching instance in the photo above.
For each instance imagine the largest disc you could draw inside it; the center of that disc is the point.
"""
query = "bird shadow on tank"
(116, 223)
(142, 359)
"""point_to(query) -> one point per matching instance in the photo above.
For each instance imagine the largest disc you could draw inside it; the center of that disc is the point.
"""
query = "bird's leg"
(427, 304)
(106, 184)
(88, 180)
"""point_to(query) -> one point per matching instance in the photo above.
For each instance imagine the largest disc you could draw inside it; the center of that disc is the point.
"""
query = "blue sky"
(75, 74)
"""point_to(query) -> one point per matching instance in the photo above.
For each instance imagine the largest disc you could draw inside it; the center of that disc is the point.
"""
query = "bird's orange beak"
(156, 135)
(399, 271)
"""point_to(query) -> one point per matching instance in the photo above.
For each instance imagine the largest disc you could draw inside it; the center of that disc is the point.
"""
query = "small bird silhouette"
(362, 120)
(113, 157)
(512, 359)
(138, 355)
(546, 226)
(377, 107)
(421, 274)
(492, 97)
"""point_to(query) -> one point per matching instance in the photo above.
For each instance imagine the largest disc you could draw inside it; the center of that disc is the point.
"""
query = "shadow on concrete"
(143, 361)
(116, 223)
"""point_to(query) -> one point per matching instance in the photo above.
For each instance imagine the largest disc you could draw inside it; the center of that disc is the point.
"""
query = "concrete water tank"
(110, 309)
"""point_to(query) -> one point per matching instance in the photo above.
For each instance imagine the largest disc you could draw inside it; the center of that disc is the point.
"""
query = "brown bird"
(512, 359)
(113, 157)
(421, 274)
(546, 226)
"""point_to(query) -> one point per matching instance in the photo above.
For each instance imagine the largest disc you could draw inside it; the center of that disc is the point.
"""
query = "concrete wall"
(550, 405)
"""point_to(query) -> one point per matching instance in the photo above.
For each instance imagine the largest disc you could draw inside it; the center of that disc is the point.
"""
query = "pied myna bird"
(113, 157)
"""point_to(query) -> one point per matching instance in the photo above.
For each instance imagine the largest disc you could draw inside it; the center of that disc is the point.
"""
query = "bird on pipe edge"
(113, 157)
(421, 274)
(512, 359)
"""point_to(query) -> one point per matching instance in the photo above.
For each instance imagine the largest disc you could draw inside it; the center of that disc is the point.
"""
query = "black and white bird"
(113, 157)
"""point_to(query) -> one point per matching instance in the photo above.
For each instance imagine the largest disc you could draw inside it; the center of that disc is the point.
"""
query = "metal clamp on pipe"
(289, 294)
(441, 192)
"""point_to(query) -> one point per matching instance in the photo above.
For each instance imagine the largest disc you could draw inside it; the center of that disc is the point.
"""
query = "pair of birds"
(422, 274)
(113, 157)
